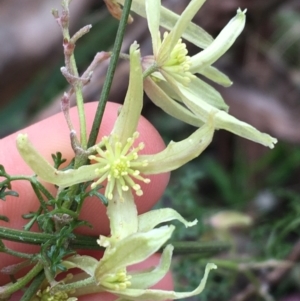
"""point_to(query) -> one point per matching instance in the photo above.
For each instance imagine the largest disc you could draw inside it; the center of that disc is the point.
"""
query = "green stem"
(7, 290)
(35, 238)
(29, 225)
(40, 197)
(90, 242)
(34, 286)
(72, 191)
(149, 71)
(33, 180)
(110, 74)
(18, 254)
(24, 236)
(75, 285)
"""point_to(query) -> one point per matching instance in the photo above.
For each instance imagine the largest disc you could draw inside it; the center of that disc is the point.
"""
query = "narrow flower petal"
(193, 33)
(160, 295)
(168, 19)
(47, 172)
(84, 262)
(122, 216)
(128, 118)
(220, 45)
(167, 104)
(149, 278)
(178, 153)
(222, 119)
(151, 219)
(131, 250)
(203, 90)
(36, 162)
(124, 127)
(180, 26)
(197, 36)
(153, 17)
(216, 75)
(209, 93)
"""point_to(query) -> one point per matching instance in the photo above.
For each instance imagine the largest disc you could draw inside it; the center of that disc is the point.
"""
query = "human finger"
(52, 135)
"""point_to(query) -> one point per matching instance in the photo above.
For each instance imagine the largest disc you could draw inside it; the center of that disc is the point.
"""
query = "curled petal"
(220, 45)
(145, 279)
(47, 172)
(36, 162)
(132, 249)
(151, 219)
(84, 262)
(222, 119)
(160, 295)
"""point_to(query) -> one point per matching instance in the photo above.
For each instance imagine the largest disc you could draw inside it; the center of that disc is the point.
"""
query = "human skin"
(52, 135)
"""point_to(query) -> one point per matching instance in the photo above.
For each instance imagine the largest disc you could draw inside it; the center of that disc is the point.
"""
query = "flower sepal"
(132, 249)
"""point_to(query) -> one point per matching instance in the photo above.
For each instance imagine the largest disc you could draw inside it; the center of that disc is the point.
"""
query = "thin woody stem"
(110, 74)
(90, 242)
(6, 291)
(69, 45)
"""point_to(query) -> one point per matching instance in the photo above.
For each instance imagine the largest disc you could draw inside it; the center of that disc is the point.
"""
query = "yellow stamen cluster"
(117, 164)
(178, 63)
(47, 295)
(117, 282)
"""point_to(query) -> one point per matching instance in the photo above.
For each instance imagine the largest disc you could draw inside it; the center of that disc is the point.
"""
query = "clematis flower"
(137, 239)
(117, 159)
(120, 164)
(110, 275)
(133, 238)
(173, 85)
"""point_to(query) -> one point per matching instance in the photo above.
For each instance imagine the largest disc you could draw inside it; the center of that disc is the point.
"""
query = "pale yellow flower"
(117, 161)
(133, 238)
(110, 273)
(172, 84)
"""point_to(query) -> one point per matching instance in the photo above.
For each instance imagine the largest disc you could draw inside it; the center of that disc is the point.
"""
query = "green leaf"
(4, 192)
(58, 160)
(149, 220)
(100, 196)
(4, 218)
(2, 245)
(2, 171)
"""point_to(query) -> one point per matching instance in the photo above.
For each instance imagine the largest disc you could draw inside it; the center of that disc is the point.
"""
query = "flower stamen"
(46, 294)
(117, 164)
(118, 281)
(178, 64)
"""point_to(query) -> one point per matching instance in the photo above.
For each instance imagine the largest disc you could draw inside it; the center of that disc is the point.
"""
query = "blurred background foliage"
(233, 176)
